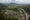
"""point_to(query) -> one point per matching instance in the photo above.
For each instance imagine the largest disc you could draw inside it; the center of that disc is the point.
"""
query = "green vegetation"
(4, 7)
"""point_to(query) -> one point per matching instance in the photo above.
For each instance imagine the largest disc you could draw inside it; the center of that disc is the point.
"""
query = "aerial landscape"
(14, 10)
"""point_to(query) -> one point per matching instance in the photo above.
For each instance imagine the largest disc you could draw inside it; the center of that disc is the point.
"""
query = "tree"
(2, 7)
